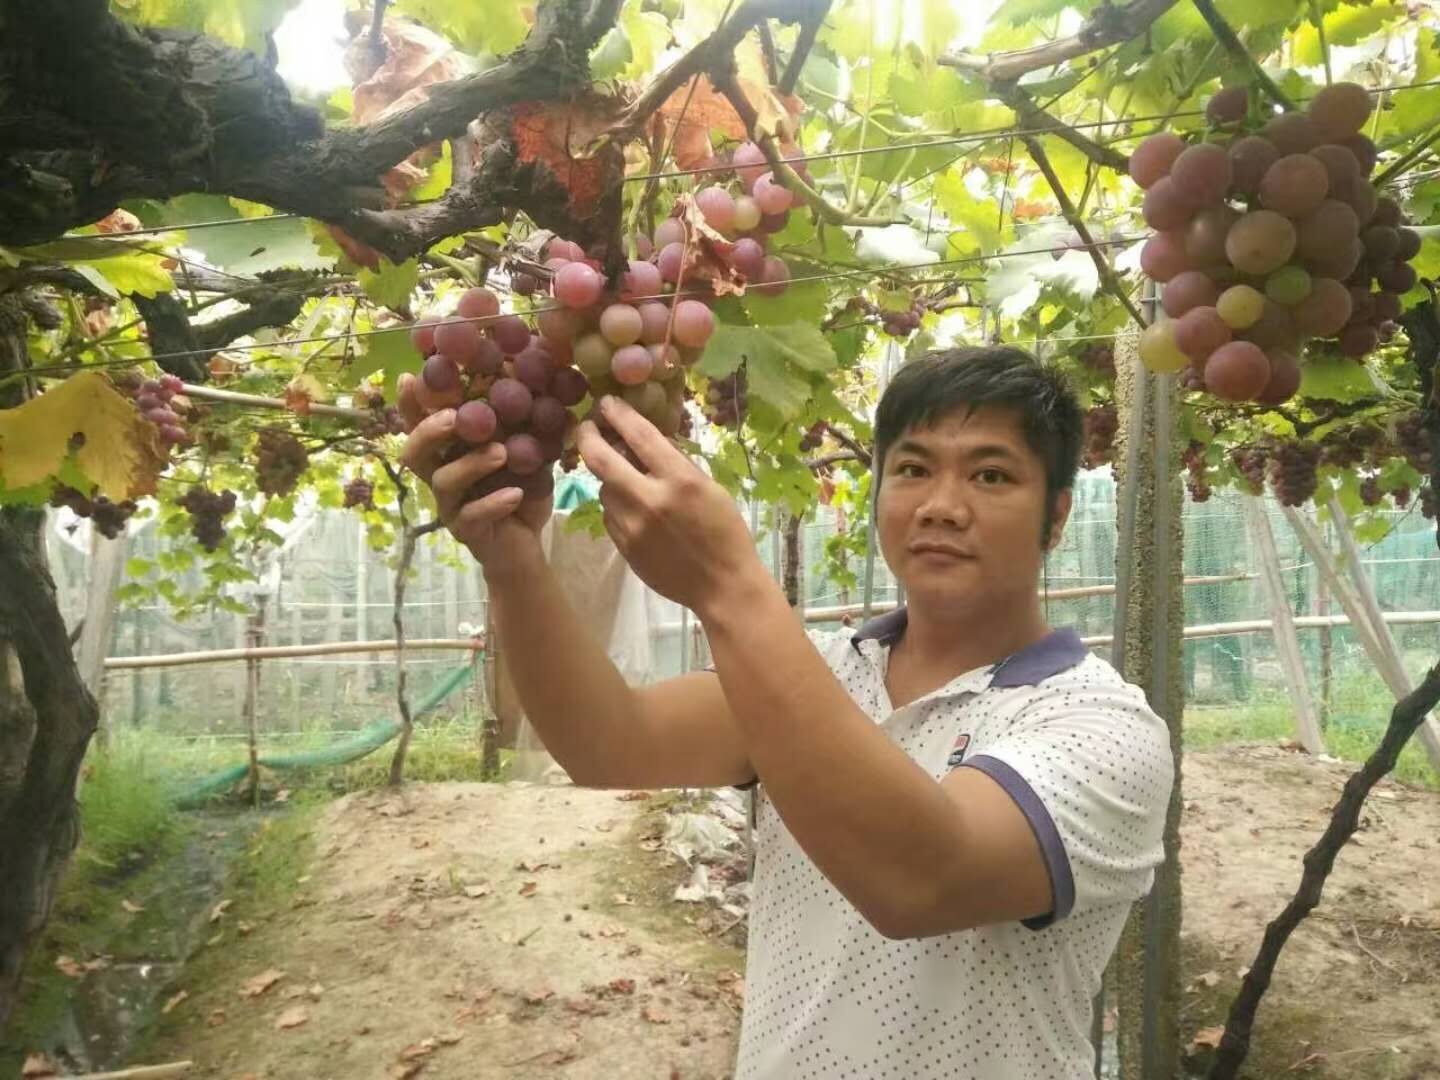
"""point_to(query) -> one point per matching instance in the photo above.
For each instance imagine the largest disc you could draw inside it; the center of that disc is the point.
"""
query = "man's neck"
(938, 647)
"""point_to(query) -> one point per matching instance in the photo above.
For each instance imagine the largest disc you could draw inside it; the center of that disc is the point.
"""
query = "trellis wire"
(874, 272)
(827, 155)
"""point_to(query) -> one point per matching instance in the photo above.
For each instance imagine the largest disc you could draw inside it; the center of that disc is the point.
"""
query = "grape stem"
(1031, 115)
(1226, 35)
(724, 81)
(1107, 272)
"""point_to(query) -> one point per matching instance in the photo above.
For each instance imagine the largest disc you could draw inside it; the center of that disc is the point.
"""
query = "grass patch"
(1352, 734)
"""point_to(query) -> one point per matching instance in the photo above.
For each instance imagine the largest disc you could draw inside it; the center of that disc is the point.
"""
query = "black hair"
(969, 377)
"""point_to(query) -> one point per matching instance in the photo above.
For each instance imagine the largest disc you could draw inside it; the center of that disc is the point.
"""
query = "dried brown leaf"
(1207, 1039)
(174, 1001)
(37, 1066)
(132, 907)
(258, 984)
(292, 1017)
(218, 911)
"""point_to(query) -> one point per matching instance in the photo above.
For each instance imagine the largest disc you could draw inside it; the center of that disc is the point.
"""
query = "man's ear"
(1060, 508)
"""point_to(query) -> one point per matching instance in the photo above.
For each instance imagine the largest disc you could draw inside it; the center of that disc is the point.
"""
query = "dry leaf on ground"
(258, 984)
(292, 1017)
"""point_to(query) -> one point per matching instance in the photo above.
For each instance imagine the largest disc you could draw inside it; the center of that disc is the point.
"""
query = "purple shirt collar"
(1058, 651)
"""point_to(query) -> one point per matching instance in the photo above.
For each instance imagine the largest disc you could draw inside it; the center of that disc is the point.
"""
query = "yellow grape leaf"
(119, 451)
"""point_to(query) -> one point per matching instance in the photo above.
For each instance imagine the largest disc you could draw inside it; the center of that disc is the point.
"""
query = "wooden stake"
(142, 1072)
(1287, 642)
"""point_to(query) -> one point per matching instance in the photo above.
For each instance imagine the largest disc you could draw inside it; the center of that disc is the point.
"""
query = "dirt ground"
(517, 931)
(1357, 990)
(473, 931)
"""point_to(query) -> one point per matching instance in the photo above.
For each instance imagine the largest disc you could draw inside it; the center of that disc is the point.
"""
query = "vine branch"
(1108, 277)
(809, 29)
(1030, 115)
(1107, 25)
(1226, 35)
(1405, 720)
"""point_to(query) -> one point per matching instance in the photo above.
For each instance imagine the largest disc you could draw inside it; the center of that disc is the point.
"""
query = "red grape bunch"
(726, 400)
(507, 384)
(1196, 480)
(1098, 442)
(1267, 239)
(1292, 472)
(359, 492)
(1099, 357)
(208, 510)
(161, 401)
(280, 460)
(1250, 462)
(107, 516)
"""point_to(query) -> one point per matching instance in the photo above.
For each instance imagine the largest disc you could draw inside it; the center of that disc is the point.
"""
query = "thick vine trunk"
(1149, 1022)
(46, 720)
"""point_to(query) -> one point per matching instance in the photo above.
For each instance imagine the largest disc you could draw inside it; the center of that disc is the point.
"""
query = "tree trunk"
(46, 718)
(1146, 970)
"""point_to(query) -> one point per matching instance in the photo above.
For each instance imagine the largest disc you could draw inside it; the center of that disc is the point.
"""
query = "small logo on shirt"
(957, 751)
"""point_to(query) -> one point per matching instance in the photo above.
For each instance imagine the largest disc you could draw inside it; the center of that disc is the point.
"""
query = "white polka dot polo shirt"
(827, 996)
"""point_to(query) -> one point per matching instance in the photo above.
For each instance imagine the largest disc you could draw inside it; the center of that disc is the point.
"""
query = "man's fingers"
(424, 449)
(651, 447)
(430, 401)
(494, 507)
(452, 481)
(602, 459)
(410, 409)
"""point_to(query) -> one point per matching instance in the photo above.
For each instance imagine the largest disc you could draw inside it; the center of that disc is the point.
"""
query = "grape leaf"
(119, 450)
(1337, 379)
(390, 353)
(392, 284)
(143, 275)
(235, 22)
(802, 303)
(478, 28)
(777, 361)
(648, 33)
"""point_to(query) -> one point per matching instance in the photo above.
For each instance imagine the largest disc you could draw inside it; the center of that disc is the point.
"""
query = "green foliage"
(235, 22)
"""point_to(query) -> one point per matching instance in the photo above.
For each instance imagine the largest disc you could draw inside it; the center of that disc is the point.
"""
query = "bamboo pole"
(231, 397)
(107, 560)
(1287, 642)
(1395, 675)
(280, 652)
(142, 1072)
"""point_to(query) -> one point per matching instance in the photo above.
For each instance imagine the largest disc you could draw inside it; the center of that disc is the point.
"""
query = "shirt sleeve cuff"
(1062, 881)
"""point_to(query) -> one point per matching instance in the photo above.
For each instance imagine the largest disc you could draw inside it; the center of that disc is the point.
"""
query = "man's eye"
(910, 469)
(993, 476)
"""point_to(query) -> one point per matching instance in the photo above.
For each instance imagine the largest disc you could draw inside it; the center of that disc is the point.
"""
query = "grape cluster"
(1345, 448)
(1266, 239)
(509, 385)
(1098, 437)
(1292, 472)
(1370, 493)
(359, 492)
(1196, 480)
(280, 460)
(160, 401)
(1099, 358)
(1251, 462)
(813, 437)
(109, 517)
(208, 510)
(1413, 441)
(726, 400)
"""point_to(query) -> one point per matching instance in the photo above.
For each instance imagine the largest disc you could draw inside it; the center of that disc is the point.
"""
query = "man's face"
(961, 510)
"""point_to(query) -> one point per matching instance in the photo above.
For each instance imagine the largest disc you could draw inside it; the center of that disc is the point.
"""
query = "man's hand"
(677, 528)
(502, 530)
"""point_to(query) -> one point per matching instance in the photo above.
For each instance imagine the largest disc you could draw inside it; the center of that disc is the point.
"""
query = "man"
(957, 805)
